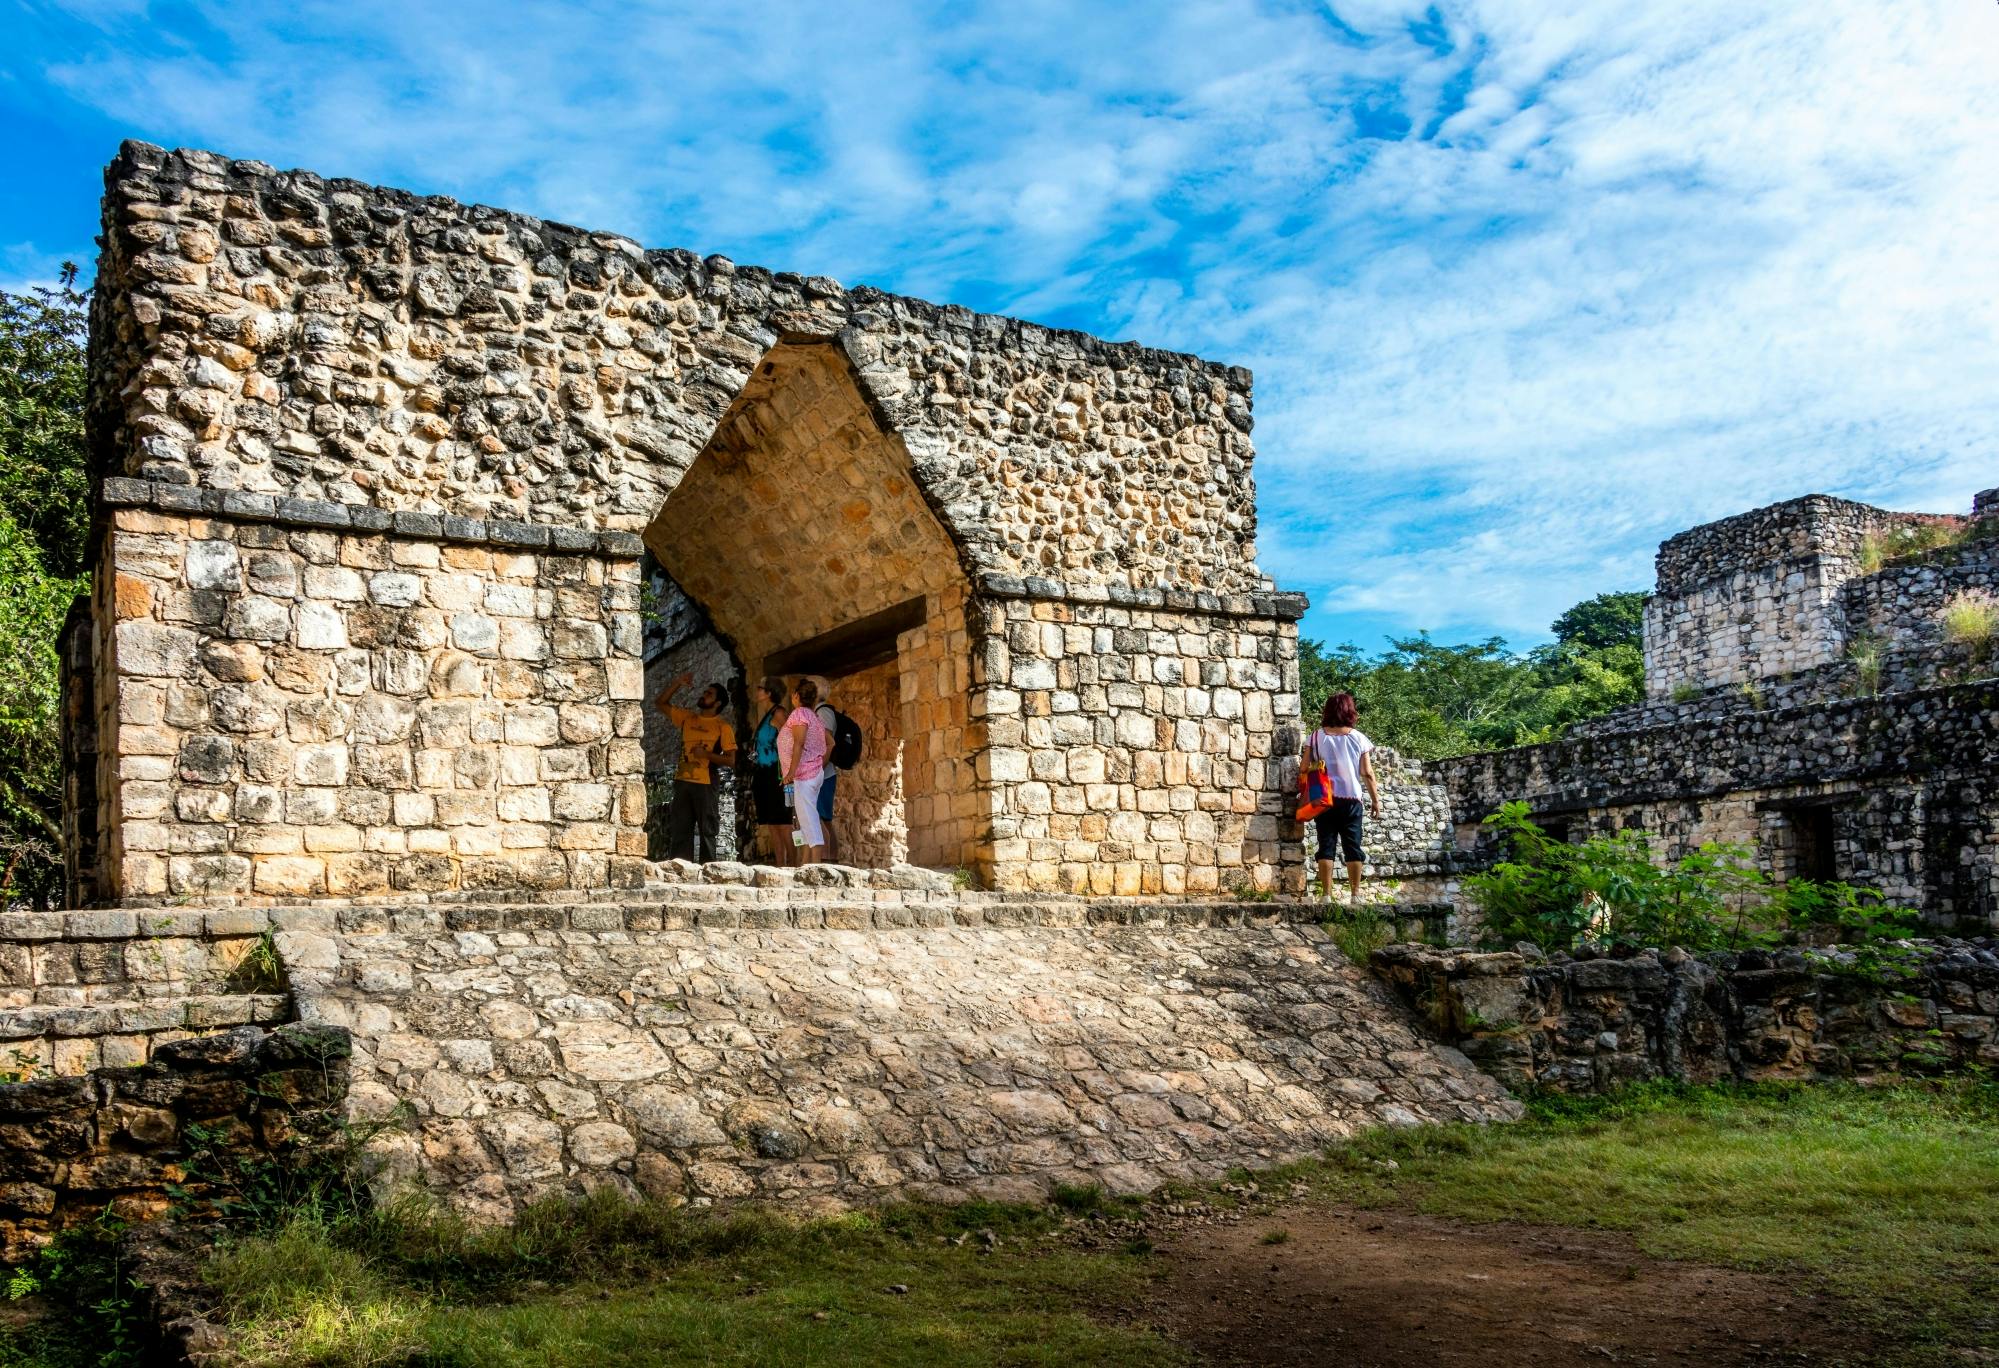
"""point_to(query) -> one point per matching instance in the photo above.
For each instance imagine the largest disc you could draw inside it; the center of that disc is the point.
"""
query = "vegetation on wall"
(44, 517)
(1429, 701)
(1615, 889)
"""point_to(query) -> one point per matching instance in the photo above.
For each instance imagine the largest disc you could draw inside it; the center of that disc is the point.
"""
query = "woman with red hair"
(1343, 750)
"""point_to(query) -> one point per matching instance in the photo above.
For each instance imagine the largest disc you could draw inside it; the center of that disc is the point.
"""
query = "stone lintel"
(1277, 605)
(244, 506)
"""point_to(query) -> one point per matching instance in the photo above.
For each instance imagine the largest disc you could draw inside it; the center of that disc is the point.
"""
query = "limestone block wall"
(833, 1045)
(869, 814)
(1138, 744)
(946, 775)
(301, 711)
(1905, 781)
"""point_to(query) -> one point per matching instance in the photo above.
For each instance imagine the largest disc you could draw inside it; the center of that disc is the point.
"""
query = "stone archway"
(802, 532)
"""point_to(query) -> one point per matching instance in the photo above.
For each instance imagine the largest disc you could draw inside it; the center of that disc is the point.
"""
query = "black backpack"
(847, 741)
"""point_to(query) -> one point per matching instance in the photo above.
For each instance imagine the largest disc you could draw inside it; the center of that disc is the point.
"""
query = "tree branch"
(32, 808)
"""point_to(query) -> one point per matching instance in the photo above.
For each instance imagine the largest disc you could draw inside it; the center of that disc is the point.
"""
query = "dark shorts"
(767, 792)
(826, 789)
(1340, 824)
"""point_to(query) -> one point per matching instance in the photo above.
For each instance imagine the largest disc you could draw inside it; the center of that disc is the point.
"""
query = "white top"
(1341, 756)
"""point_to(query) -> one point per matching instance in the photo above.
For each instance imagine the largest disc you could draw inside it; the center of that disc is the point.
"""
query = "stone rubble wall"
(1767, 594)
(323, 339)
(1900, 608)
(119, 1139)
(1908, 779)
(823, 1043)
(1591, 1026)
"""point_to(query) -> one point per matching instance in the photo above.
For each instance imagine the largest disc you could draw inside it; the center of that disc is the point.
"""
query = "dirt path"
(1376, 1289)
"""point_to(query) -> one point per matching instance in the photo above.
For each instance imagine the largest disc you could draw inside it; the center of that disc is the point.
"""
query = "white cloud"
(1655, 263)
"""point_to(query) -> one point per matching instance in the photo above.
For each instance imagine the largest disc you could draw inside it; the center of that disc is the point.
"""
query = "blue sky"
(1526, 288)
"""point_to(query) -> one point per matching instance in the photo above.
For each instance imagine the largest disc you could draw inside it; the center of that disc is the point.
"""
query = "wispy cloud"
(1525, 290)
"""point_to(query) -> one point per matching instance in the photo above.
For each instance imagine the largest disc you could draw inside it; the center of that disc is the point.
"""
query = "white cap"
(825, 689)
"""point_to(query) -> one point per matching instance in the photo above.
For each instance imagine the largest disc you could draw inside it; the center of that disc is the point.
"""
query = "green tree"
(44, 521)
(1430, 701)
(1603, 622)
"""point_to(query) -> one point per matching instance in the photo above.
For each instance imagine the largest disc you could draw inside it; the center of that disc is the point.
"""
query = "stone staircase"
(80, 990)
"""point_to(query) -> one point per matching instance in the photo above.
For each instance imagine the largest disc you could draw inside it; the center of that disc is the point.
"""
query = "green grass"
(1887, 1198)
(605, 1283)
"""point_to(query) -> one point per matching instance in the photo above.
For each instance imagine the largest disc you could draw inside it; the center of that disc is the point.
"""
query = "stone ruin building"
(1802, 698)
(356, 727)
(377, 473)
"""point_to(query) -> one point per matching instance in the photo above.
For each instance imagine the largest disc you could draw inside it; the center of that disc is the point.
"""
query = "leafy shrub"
(1610, 890)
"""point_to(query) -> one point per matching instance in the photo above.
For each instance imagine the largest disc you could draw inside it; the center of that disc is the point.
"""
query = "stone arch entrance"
(803, 534)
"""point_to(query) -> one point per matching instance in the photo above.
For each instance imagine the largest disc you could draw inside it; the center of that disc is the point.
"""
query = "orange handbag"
(1315, 786)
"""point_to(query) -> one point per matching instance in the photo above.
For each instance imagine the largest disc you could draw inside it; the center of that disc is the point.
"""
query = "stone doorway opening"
(802, 535)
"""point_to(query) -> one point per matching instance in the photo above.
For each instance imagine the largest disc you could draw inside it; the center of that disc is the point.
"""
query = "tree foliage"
(1429, 700)
(44, 521)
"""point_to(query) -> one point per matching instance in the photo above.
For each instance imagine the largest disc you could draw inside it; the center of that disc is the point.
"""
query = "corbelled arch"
(803, 531)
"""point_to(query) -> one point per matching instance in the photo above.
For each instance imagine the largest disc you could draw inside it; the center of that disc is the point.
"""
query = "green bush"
(1611, 890)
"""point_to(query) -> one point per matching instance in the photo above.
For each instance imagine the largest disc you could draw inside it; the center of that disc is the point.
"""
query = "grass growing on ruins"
(1970, 618)
(1887, 1197)
(1878, 549)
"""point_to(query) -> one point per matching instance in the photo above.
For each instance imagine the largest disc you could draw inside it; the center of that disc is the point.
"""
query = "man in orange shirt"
(706, 740)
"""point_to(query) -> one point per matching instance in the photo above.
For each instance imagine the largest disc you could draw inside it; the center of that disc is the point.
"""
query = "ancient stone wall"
(1139, 744)
(803, 1039)
(869, 810)
(1587, 1026)
(1905, 781)
(289, 335)
(1758, 595)
(479, 410)
(303, 711)
(1901, 607)
(84, 989)
(125, 1139)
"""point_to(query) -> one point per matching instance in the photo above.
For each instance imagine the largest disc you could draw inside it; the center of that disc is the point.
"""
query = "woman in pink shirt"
(804, 760)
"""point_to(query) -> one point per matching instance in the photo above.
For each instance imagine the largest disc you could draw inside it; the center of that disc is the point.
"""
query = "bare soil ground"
(1378, 1289)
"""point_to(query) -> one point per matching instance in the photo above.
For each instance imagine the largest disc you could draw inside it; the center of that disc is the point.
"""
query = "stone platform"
(830, 1046)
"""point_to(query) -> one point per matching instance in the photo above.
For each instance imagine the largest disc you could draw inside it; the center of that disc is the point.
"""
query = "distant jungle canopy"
(1429, 701)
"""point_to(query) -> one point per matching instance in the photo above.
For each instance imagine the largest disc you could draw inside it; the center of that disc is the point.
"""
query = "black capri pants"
(1341, 823)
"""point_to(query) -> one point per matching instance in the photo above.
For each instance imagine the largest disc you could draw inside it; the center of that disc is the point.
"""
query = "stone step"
(69, 958)
(71, 1039)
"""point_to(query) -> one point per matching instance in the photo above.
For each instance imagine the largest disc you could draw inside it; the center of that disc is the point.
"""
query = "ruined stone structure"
(375, 471)
(1798, 701)
(358, 721)
(1596, 1025)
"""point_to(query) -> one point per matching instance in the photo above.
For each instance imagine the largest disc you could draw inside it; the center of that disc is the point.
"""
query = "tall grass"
(602, 1280)
(1970, 617)
(1879, 548)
